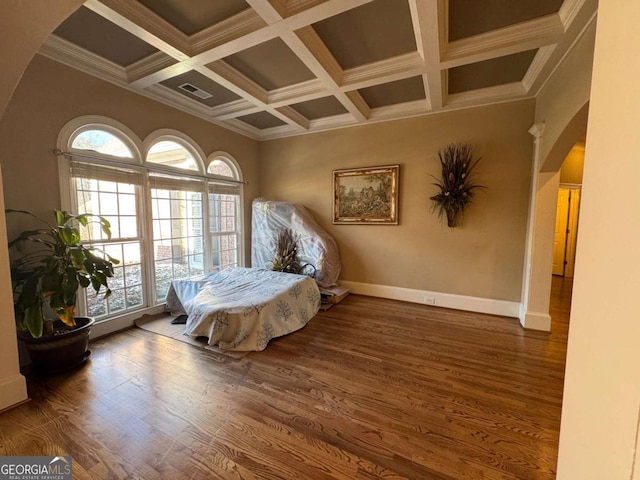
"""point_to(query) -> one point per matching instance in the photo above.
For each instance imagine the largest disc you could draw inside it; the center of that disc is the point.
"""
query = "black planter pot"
(61, 352)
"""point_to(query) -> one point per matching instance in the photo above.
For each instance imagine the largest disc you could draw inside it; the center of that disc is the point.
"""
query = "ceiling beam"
(145, 24)
(430, 26)
(504, 41)
(286, 26)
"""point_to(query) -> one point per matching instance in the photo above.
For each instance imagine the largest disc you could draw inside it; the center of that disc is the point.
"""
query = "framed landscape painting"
(366, 195)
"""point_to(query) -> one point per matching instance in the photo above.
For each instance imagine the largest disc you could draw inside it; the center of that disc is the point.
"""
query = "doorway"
(566, 231)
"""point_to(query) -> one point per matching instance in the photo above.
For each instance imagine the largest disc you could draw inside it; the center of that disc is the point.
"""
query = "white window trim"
(235, 168)
(170, 135)
(88, 122)
(81, 124)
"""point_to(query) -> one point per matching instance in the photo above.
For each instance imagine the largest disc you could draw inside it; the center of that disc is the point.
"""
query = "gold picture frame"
(366, 196)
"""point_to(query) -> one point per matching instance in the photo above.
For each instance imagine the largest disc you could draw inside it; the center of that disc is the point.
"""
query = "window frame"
(139, 150)
(232, 163)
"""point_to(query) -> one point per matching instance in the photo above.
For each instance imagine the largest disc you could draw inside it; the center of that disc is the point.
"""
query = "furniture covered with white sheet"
(315, 246)
(242, 309)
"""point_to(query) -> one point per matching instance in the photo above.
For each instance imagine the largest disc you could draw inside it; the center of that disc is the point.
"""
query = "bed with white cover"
(241, 309)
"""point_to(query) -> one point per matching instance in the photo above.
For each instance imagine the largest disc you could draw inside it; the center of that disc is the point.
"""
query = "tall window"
(224, 214)
(169, 218)
(113, 193)
(178, 217)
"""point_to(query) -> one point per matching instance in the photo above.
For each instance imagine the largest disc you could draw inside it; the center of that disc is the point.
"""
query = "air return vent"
(193, 90)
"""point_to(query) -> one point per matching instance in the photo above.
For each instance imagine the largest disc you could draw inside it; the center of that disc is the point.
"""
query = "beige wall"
(599, 429)
(481, 258)
(573, 165)
(51, 94)
(23, 27)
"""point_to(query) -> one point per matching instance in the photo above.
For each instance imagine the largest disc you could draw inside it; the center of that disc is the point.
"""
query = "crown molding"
(149, 64)
(243, 128)
(483, 96)
(241, 24)
(537, 65)
(395, 68)
(69, 54)
(271, 11)
(314, 54)
(554, 36)
(300, 92)
(170, 97)
(237, 108)
(569, 11)
(505, 41)
(231, 79)
(145, 24)
(400, 110)
(295, 117)
(566, 52)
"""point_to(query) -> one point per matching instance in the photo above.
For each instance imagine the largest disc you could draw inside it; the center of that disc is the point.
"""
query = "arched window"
(101, 141)
(113, 191)
(170, 216)
(225, 211)
(172, 154)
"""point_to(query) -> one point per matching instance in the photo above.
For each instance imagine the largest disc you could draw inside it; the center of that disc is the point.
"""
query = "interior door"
(572, 234)
(560, 237)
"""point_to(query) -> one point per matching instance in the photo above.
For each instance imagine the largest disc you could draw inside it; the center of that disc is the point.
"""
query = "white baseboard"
(535, 320)
(447, 300)
(13, 390)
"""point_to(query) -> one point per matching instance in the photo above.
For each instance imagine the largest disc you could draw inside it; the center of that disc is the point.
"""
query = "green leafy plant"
(286, 257)
(50, 266)
(456, 185)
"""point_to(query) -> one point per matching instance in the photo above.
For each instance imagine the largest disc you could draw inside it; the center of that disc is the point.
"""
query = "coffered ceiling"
(275, 68)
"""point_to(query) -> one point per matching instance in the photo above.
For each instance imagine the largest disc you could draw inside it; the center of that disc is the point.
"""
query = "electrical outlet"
(430, 300)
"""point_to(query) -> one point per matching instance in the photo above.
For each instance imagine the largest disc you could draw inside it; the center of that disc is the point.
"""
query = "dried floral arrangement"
(456, 185)
(286, 258)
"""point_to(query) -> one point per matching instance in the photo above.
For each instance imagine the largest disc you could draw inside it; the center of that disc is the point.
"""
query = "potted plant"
(50, 265)
(456, 185)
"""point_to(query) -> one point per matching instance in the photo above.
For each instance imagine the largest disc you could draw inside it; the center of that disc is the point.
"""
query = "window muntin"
(178, 244)
(126, 285)
(116, 201)
(101, 141)
(224, 230)
(221, 168)
(224, 213)
(171, 154)
(122, 189)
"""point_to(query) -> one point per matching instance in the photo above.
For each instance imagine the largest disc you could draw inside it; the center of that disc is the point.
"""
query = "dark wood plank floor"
(370, 389)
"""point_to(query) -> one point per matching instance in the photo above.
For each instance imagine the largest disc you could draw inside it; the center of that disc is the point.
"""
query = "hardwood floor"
(370, 389)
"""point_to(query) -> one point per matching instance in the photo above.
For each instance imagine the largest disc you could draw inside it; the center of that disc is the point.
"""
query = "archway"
(534, 312)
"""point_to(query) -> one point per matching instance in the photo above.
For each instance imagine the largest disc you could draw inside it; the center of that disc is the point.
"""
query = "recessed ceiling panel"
(489, 73)
(471, 17)
(262, 120)
(219, 94)
(271, 65)
(94, 33)
(191, 16)
(375, 31)
(319, 108)
(400, 91)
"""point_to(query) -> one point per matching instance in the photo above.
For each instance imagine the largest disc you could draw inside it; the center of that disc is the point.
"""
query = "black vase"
(51, 354)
